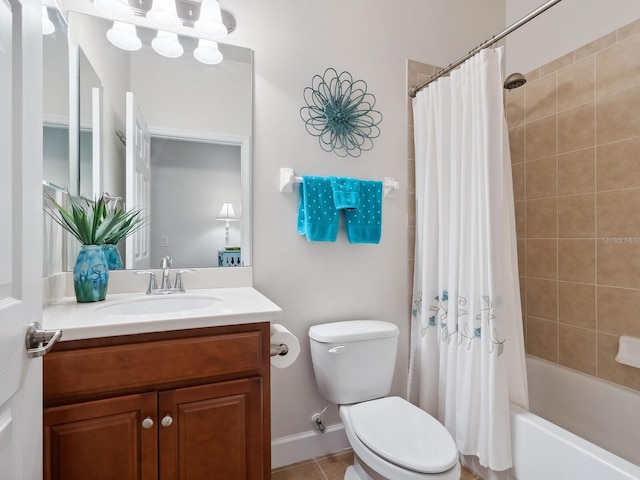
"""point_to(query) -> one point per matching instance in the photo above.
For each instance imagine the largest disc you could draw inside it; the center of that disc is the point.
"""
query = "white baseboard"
(307, 445)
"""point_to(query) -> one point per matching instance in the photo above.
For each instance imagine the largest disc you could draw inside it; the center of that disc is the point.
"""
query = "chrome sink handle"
(153, 285)
(179, 286)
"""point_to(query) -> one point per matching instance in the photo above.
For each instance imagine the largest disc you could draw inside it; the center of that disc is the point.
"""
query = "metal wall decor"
(340, 113)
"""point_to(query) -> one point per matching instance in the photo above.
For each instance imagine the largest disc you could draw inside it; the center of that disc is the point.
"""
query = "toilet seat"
(404, 435)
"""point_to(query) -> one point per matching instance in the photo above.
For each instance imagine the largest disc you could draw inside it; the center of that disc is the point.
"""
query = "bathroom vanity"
(177, 395)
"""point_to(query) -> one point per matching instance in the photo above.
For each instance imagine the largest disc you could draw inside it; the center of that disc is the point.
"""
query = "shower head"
(514, 80)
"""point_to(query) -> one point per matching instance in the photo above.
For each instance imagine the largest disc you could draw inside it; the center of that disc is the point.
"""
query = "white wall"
(321, 282)
(561, 29)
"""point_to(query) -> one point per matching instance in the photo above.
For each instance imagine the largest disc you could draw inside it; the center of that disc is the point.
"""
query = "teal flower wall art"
(340, 112)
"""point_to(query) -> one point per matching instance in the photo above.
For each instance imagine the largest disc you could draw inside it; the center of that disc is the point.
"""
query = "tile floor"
(330, 467)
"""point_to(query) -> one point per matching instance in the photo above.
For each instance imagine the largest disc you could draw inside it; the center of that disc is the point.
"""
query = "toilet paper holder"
(276, 350)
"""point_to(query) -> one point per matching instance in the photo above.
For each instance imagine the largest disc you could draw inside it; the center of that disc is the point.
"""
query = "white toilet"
(392, 439)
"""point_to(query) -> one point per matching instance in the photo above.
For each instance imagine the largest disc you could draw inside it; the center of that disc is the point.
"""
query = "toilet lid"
(403, 434)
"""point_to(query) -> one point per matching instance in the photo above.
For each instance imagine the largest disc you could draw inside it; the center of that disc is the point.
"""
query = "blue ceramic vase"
(91, 274)
(114, 259)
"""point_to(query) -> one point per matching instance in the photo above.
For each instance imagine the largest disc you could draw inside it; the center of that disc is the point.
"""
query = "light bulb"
(47, 25)
(115, 9)
(210, 22)
(123, 35)
(163, 14)
(207, 52)
(167, 44)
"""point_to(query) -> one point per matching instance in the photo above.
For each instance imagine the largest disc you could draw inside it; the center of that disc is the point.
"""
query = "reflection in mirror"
(89, 151)
(207, 177)
(208, 107)
(55, 102)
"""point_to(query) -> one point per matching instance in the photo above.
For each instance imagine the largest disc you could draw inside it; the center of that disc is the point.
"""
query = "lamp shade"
(207, 52)
(47, 25)
(123, 35)
(227, 213)
(116, 9)
(167, 44)
(209, 23)
(163, 14)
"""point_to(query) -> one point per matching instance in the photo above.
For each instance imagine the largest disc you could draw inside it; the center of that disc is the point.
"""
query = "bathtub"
(601, 413)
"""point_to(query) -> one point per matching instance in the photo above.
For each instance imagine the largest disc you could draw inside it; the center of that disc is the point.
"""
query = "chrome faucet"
(165, 285)
(165, 265)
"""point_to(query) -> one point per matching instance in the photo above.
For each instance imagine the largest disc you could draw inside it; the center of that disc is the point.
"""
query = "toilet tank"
(354, 360)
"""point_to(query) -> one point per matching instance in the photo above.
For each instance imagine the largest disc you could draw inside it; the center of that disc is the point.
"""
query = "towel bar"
(288, 178)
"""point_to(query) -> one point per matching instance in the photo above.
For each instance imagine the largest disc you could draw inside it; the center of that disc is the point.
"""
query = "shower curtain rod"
(496, 38)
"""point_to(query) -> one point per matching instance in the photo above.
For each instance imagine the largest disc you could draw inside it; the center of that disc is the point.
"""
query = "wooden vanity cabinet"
(191, 404)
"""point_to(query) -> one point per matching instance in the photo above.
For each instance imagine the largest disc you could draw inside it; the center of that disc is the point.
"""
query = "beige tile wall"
(574, 131)
(575, 146)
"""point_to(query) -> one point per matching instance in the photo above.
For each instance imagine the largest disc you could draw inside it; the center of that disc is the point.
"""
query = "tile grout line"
(324, 475)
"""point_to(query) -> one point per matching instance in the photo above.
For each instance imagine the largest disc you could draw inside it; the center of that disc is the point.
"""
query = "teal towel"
(346, 192)
(317, 215)
(364, 225)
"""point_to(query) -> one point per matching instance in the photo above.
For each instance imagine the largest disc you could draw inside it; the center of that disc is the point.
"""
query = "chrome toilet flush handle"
(337, 350)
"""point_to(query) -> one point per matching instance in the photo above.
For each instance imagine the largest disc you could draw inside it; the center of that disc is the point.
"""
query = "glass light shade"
(207, 52)
(163, 14)
(167, 44)
(115, 9)
(227, 213)
(210, 22)
(47, 25)
(123, 35)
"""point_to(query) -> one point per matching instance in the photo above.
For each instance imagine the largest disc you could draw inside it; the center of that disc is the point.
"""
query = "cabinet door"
(102, 440)
(215, 433)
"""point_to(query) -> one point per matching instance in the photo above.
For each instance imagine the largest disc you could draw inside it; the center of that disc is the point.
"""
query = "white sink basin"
(159, 304)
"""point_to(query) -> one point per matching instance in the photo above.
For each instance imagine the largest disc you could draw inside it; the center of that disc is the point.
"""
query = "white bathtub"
(600, 412)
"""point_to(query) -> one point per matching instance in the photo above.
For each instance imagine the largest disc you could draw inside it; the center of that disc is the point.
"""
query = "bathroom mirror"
(200, 119)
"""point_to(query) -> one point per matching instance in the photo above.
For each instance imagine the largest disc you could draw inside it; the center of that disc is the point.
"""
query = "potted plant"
(94, 225)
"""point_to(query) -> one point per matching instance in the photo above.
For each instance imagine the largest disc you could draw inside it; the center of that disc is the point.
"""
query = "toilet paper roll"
(280, 335)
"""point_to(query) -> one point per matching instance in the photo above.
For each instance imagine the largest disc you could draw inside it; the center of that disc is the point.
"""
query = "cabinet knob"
(147, 423)
(166, 421)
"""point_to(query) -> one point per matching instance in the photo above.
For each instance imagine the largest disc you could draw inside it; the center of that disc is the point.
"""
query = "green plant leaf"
(93, 222)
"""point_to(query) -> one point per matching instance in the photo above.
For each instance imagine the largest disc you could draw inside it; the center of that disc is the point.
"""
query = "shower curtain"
(467, 358)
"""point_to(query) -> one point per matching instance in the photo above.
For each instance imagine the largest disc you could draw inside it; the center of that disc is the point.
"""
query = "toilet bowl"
(399, 441)
(392, 439)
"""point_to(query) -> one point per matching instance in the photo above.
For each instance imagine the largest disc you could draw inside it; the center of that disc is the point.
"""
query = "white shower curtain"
(467, 360)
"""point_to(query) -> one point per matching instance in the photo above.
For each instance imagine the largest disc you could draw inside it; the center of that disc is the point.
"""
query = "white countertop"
(235, 306)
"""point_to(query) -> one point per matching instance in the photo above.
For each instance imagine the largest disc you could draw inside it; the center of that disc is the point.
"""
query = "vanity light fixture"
(167, 44)
(169, 16)
(207, 52)
(163, 14)
(114, 9)
(209, 23)
(47, 25)
(124, 36)
(227, 215)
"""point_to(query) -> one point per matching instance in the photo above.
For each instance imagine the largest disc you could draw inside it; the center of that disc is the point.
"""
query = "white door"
(20, 237)
(138, 191)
